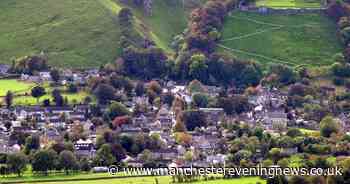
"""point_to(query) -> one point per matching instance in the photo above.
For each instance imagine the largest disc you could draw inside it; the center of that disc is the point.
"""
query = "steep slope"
(168, 19)
(79, 33)
(73, 33)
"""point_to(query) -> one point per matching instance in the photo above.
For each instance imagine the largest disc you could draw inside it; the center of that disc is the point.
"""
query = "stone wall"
(287, 11)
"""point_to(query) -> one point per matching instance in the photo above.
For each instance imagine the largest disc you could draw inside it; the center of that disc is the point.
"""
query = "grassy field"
(14, 85)
(290, 3)
(78, 33)
(29, 100)
(162, 180)
(309, 132)
(19, 88)
(152, 180)
(165, 22)
(308, 39)
(73, 33)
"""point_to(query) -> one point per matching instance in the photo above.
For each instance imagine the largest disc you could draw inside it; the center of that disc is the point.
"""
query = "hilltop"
(80, 33)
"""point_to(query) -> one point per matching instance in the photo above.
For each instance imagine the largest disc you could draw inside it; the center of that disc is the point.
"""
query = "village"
(203, 146)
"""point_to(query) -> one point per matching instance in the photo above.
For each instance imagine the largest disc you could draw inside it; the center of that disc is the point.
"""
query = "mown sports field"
(304, 39)
(14, 86)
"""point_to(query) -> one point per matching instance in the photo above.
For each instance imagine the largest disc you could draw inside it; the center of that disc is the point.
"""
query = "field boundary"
(251, 34)
(257, 55)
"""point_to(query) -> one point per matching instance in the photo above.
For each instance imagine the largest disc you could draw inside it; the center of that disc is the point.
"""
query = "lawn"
(14, 85)
(309, 132)
(307, 39)
(290, 3)
(71, 97)
(161, 180)
(19, 88)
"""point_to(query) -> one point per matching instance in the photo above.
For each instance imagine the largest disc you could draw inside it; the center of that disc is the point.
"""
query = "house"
(77, 116)
(6, 149)
(276, 120)
(165, 154)
(213, 115)
(165, 117)
(213, 91)
(84, 148)
(45, 76)
(134, 163)
(59, 110)
(216, 159)
(17, 126)
(53, 135)
(205, 143)
(132, 131)
(289, 151)
(4, 69)
(50, 135)
(140, 121)
(142, 100)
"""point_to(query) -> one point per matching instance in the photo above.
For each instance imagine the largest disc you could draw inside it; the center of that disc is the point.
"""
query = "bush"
(338, 81)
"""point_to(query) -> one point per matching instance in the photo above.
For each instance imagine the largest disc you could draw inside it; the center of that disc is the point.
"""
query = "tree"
(168, 98)
(193, 119)
(57, 97)
(251, 75)
(146, 63)
(85, 164)
(72, 88)
(340, 70)
(275, 154)
(67, 161)
(242, 155)
(200, 100)
(345, 35)
(286, 74)
(8, 124)
(140, 89)
(179, 125)
(196, 87)
(9, 99)
(236, 104)
(32, 143)
(125, 17)
(298, 180)
(55, 75)
(104, 93)
(46, 102)
(44, 161)
(155, 86)
(38, 92)
(117, 109)
(294, 132)
(198, 67)
(104, 155)
(17, 163)
(329, 126)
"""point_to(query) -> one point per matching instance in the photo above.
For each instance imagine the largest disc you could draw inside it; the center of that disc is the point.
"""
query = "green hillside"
(308, 39)
(78, 33)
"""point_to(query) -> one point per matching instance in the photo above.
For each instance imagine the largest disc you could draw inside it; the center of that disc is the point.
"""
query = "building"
(84, 148)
